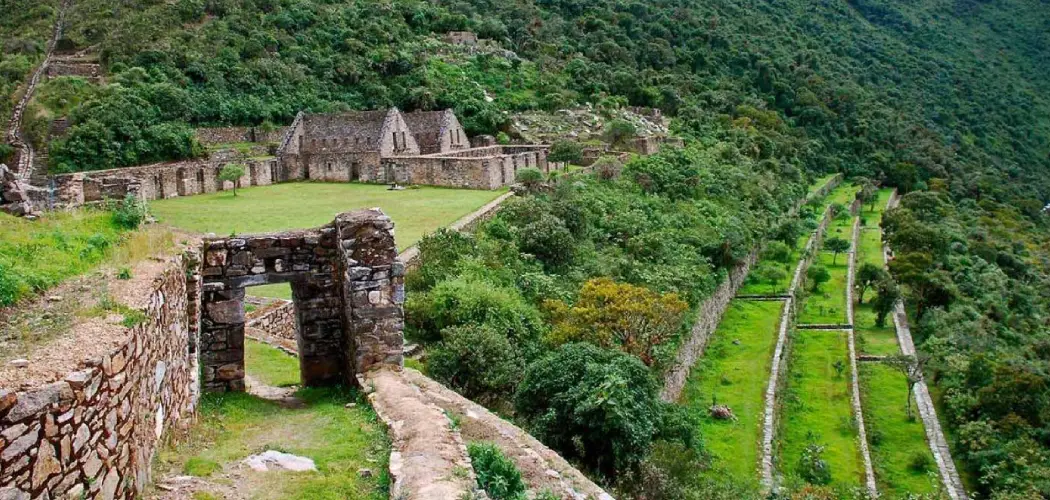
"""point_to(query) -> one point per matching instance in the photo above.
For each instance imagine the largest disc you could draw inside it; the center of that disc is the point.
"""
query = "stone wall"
(276, 320)
(94, 433)
(229, 135)
(478, 168)
(348, 290)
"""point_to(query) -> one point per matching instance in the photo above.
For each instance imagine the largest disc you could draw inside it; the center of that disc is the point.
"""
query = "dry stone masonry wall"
(347, 287)
(94, 433)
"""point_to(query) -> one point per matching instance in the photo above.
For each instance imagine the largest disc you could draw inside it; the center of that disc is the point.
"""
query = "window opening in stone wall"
(395, 139)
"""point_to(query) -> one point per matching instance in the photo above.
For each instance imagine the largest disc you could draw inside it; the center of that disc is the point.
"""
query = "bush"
(812, 467)
(497, 475)
(598, 406)
(439, 253)
(817, 275)
(548, 239)
(608, 168)
(777, 251)
(921, 462)
(531, 178)
(473, 302)
(130, 212)
(618, 132)
(477, 361)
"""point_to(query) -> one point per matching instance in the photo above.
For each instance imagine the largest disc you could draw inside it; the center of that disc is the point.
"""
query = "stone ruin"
(348, 290)
(17, 197)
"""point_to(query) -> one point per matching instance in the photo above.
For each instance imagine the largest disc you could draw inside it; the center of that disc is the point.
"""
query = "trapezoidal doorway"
(348, 289)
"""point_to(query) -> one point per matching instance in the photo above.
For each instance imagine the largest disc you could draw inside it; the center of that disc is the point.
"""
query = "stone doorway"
(348, 289)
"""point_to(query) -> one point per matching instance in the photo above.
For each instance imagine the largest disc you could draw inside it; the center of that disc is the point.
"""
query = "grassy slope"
(304, 205)
(340, 440)
(736, 376)
(895, 439)
(816, 407)
(36, 255)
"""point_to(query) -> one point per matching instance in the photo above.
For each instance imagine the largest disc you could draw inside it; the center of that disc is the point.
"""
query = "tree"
(912, 369)
(566, 151)
(886, 296)
(598, 406)
(777, 251)
(868, 193)
(618, 132)
(634, 319)
(817, 275)
(770, 274)
(232, 172)
(836, 245)
(867, 276)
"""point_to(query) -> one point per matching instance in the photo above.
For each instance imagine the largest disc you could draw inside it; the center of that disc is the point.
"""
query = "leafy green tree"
(777, 251)
(598, 406)
(868, 193)
(887, 294)
(770, 274)
(867, 276)
(619, 132)
(817, 275)
(232, 172)
(531, 178)
(464, 301)
(911, 367)
(566, 151)
(836, 245)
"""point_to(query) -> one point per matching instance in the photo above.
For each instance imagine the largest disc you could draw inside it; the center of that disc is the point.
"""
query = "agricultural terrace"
(816, 420)
(281, 207)
(736, 364)
(900, 453)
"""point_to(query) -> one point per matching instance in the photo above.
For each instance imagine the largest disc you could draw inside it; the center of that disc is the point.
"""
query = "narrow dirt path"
(15, 136)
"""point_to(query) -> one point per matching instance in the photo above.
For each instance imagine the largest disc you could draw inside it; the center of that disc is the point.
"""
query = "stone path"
(24, 167)
(927, 411)
(858, 412)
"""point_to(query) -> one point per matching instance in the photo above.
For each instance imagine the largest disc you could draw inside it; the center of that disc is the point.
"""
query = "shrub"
(124, 273)
(531, 178)
(439, 253)
(477, 361)
(618, 132)
(130, 212)
(608, 168)
(595, 405)
(548, 239)
(920, 462)
(473, 302)
(812, 467)
(497, 475)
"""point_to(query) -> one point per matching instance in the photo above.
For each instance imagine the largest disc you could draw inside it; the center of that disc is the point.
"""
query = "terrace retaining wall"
(94, 433)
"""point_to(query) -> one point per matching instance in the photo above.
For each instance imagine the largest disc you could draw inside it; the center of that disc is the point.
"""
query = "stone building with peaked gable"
(437, 131)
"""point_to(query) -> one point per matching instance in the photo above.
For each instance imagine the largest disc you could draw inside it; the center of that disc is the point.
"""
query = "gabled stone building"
(345, 146)
(437, 131)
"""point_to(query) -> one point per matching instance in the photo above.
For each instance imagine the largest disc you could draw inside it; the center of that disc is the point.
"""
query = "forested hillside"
(946, 100)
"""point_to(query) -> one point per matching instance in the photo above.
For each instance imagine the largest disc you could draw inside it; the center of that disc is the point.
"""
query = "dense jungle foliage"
(947, 100)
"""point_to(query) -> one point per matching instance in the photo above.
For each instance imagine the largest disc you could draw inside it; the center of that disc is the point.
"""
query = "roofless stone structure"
(348, 289)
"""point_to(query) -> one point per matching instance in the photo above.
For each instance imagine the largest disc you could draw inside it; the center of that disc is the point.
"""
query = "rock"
(19, 363)
(351, 405)
(12, 493)
(736, 341)
(33, 402)
(721, 412)
(271, 459)
(55, 298)
(46, 465)
(364, 472)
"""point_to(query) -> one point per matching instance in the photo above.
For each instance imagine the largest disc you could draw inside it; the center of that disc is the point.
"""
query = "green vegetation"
(895, 439)
(872, 339)
(816, 408)
(497, 475)
(827, 303)
(734, 372)
(271, 366)
(340, 440)
(37, 255)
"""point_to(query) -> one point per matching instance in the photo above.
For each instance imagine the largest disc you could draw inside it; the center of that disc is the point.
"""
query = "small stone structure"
(93, 433)
(348, 290)
(468, 38)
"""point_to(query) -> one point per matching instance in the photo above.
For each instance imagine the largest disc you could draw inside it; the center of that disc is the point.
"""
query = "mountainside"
(946, 100)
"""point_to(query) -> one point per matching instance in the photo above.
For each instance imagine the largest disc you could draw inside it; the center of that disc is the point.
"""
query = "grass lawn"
(816, 407)
(269, 365)
(302, 205)
(734, 371)
(828, 303)
(872, 339)
(819, 183)
(233, 426)
(898, 445)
